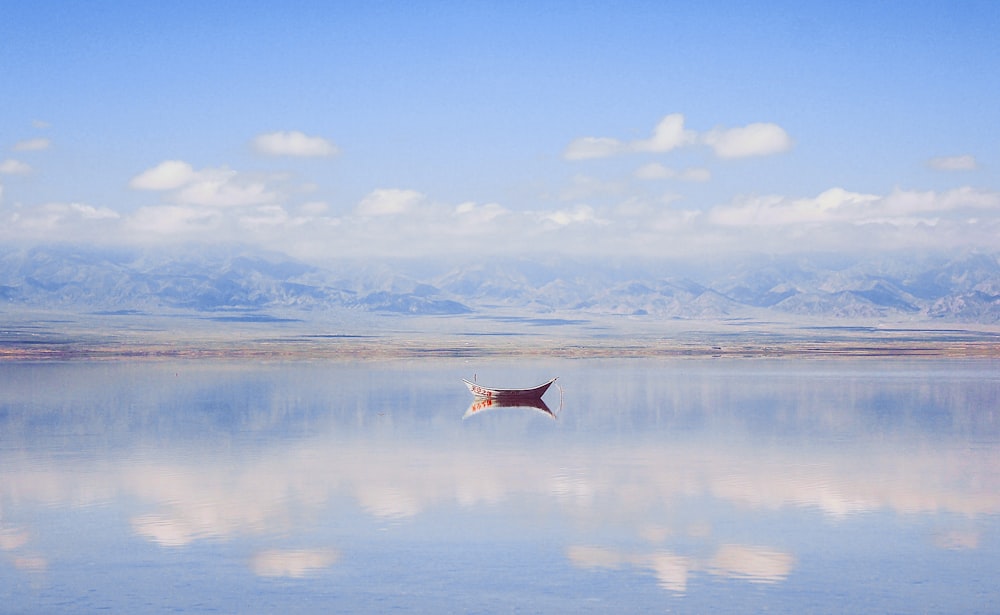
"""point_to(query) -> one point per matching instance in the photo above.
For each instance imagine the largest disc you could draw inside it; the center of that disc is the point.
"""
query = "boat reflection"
(482, 405)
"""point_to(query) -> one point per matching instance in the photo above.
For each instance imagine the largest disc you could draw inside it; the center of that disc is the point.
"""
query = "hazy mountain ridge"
(964, 289)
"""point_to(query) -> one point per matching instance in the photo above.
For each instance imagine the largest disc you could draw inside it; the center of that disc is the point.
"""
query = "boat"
(508, 394)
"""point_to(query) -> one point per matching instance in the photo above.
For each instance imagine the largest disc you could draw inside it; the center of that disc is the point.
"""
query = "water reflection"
(750, 563)
(751, 474)
(479, 406)
(294, 563)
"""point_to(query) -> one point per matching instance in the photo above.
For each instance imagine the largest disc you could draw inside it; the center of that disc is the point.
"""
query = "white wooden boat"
(508, 394)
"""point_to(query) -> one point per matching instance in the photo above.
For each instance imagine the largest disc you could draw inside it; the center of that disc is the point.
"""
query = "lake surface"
(682, 485)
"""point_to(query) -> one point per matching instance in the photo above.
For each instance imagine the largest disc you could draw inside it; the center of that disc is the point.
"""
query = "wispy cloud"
(757, 139)
(586, 148)
(29, 145)
(14, 167)
(578, 214)
(583, 187)
(293, 143)
(175, 222)
(389, 201)
(225, 188)
(832, 205)
(58, 221)
(966, 162)
(473, 214)
(837, 205)
(655, 170)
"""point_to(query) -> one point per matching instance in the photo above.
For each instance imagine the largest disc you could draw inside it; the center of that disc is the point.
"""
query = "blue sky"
(338, 129)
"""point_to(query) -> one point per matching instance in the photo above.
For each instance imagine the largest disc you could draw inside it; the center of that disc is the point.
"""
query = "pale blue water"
(663, 485)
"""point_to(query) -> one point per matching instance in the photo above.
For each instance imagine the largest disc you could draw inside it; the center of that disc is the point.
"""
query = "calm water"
(681, 486)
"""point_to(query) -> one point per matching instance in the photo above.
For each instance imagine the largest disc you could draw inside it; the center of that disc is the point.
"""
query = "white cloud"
(293, 143)
(474, 215)
(396, 222)
(655, 170)
(167, 175)
(224, 188)
(40, 124)
(908, 202)
(577, 214)
(838, 219)
(14, 167)
(835, 204)
(669, 134)
(759, 139)
(218, 187)
(954, 163)
(89, 212)
(586, 148)
(55, 221)
(29, 145)
(389, 201)
(591, 214)
(174, 220)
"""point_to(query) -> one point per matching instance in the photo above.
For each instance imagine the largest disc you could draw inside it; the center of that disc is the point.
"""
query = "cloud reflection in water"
(749, 563)
(294, 469)
(295, 563)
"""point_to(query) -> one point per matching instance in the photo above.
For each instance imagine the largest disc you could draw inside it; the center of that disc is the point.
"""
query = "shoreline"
(57, 336)
(389, 349)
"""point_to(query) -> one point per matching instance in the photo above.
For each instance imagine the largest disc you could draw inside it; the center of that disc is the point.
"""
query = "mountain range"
(240, 279)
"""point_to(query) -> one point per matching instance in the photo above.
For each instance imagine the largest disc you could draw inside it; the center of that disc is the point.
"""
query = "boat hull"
(508, 394)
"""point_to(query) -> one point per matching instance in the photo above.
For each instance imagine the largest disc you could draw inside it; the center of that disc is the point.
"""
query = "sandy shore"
(60, 336)
(397, 348)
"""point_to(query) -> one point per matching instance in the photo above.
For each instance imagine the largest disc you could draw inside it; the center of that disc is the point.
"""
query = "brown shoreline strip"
(366, 349)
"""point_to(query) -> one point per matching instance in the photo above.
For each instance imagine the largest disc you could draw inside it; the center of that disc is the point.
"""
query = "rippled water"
(679, 485)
